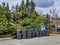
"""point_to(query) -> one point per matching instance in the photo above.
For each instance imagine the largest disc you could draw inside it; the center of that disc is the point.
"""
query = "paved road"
(51, 40)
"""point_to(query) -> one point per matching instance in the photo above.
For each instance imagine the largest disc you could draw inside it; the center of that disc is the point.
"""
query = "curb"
(9, 38)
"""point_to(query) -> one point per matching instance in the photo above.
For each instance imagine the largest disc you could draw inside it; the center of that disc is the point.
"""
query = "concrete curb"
(9, 38)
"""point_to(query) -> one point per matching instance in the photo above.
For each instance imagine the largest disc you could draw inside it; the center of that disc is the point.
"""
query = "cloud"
(44, 3)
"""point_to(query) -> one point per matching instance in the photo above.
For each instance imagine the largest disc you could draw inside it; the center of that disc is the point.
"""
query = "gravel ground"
(49, 40)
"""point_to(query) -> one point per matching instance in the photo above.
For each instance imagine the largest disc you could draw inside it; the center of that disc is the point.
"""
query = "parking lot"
(48, 40)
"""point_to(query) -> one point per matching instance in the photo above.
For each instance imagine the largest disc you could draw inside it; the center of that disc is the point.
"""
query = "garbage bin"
(34, 32)
(19, 35)
(29, 34)
(24, 34)
(40, 33)
(37, 33)
(14, 37)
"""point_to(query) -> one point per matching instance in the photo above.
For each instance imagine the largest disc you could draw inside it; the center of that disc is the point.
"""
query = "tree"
(3, 13)
(32, 5)
(7, 6)
(23, 14)
(3, 4)
(22, 3)
(17, 8)
(47, 21)
(27, 3)
(54, 12)
(8, 15)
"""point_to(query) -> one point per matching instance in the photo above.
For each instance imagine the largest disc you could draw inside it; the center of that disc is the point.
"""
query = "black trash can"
(14, 37)
(44, 32)
(37, 33)
(34, 33)
(29, 34)
(40, 33)
(19, 35)
(47, 32)
(24, 34)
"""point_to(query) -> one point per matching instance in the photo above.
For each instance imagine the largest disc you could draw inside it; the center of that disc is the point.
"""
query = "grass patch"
(4, 36)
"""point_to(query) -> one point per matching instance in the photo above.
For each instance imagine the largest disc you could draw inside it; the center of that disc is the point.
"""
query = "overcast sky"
(41, 5)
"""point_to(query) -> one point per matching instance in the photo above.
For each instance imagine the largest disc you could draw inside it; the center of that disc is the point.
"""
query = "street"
(49, 40)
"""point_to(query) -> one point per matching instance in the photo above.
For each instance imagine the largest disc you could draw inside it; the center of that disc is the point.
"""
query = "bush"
(8, 32)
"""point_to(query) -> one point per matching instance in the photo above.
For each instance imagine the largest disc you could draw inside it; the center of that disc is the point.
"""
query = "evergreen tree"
(47, 21)
(7, 6)
(32, 5)
(3, 4)
(22, 3)
(12, 8)
(23, 14)
(27, 3)
(17, 8)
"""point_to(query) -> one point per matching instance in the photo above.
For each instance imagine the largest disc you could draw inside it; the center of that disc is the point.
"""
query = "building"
(55, 21)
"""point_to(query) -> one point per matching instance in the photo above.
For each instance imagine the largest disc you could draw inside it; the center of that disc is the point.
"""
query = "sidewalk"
(54, 34)
(5, 38)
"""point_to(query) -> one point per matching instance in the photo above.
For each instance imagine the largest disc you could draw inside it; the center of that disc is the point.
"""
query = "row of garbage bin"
(30, 33)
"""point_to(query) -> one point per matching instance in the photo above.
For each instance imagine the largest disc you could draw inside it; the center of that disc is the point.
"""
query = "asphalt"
(49, 40)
